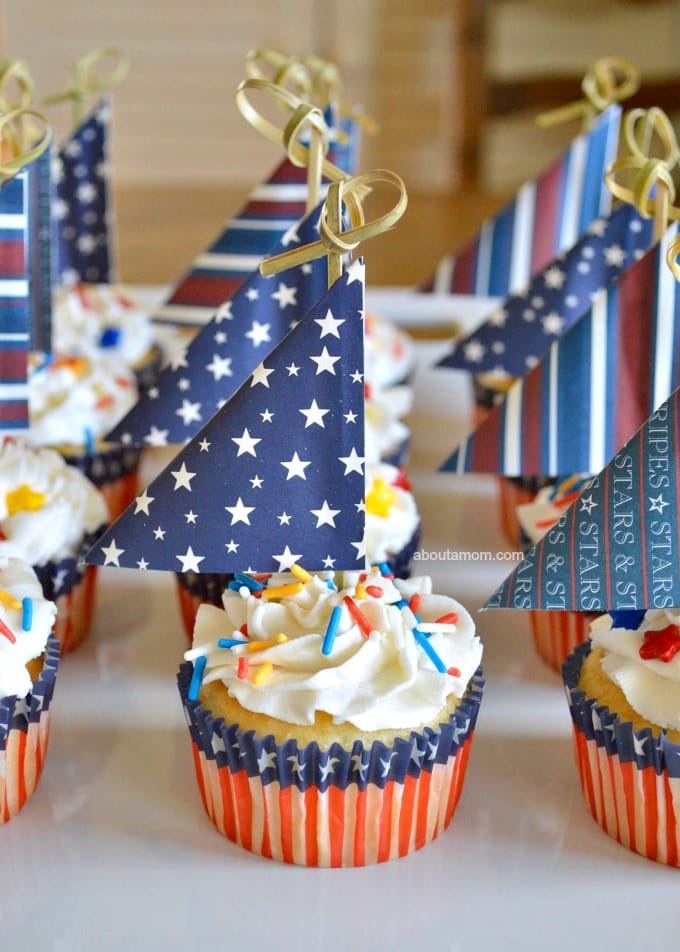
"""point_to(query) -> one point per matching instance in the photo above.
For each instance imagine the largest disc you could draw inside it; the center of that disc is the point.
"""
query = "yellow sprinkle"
(359, 592)
(300, 573)
(262, 672)
(9, 600)
(380, 498)
(280, 590)
(253, 646)
(23, 499)
(280, 638)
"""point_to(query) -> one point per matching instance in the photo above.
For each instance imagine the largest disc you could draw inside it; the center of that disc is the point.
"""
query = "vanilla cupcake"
(387, 437)
(29, 660)
(389, 355)
(623, 689)
(331, 726)
(50, 515)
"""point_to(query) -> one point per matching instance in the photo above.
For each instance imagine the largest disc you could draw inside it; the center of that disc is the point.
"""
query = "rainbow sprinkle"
(358, 616)
(197, 678)
(249, 582)
(300, 573)
(280, 591)
(429, 650)
(26, 614)
(331, 630)
(263, 672)
(9, 635)
(89, 440)
(242, 668)
(230, 642)
(9, 600)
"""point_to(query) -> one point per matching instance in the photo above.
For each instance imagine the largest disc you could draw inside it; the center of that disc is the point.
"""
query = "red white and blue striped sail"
(617, 547)
(14, 303)
(270, 216)
(594, 388)
(40, 195)
(546, 216)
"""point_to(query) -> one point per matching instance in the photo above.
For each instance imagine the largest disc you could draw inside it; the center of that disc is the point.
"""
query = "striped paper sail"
(40, 194)
(617, 547)
(547, 215)
(270, 216)
(594, 388)
(14, 303)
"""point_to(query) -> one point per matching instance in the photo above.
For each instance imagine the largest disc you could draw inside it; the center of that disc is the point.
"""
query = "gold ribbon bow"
(282, 70)
(651, 189)
(16, 92)
(87, 82)
(16, 155)
(609, 80)
(672, 255)
(332, 240)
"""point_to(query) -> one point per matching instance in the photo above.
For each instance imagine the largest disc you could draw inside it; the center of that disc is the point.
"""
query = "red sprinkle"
(262, 576)
(374, 590)
(122, 382)
(244, 630)
(414, 603)
(104, 402)
(4, 630)
(367, 391)
(358, 616)
(661, 645)
(363, 577)
(450, 619)
(242, 668)
(454, 672)
(402, 480)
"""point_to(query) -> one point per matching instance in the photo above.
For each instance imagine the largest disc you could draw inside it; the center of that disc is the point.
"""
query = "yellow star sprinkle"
(380, 498)
(23, 499)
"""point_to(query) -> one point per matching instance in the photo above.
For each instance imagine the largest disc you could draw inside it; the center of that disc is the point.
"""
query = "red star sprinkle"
(661, 645)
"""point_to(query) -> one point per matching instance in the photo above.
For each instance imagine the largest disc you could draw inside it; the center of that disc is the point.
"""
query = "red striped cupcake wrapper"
(24, 733)
(630, 779)
(114, 471)
(72, 586)
(556, 634)
(334, 807)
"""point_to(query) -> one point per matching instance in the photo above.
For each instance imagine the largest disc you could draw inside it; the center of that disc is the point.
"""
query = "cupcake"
(331, 726)
(90, 319)
(515, 491)
(29, 658)
(555, 633)
(73, 403)
(387, 436)
(623, 689)
(392, 536)
(390, 353)
(50, 514)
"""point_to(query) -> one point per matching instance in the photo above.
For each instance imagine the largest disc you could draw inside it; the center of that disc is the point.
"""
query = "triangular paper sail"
(273, 208)
(83, 217)
(546, 216)
(517, 334)
(40, 196)
(617, 547)
(14, 302)
(226, 351)
(595, 387)
(277, 474)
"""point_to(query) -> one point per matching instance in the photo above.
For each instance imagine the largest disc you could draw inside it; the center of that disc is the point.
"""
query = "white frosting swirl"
(550, 502)
(74, 396)
(89, 317)
(18, 580)
(387, 534)
(384, 429)
(652, 688)
(390, 353)
(71, 508)
(383, 681)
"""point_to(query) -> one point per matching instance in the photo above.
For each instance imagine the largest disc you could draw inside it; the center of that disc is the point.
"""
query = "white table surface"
(114, 851)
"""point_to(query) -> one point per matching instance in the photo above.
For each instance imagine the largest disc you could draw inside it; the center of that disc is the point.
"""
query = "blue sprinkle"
(330, 584)
(196, 678)
(230, 642)
(89, 441)
(385, 569)
(429, 650)
(26, 614)
(402, 603)
(630, 620)
(234, 585)
(110, 337)
(331, 630)
(47, 360)
(249, 582)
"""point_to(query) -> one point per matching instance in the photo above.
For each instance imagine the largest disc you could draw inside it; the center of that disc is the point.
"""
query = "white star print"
(179, 360)
(252, 294)
(142, 565)
(350, 417)
(474, 351)
(112, 554)
(292, 370)
(353, 463)
(329, 325)
(220, 367)
(357, 377)
(598, 227)
(285, 295)
(417, 754)
(143, 502)
(184, 384)
(358, 765)
(314, 415)
(259, 333)
(498, 317)
(639, 745)
(657, 503)
(246, 443)
(267, 416)
(191, 517)
(189, 412)
(324, 362)
(204, 446)
(297, 767)
(286, 559)
(284, 519)
(159, 533)
(325, 516)
(232, 546)
(614, 256)
(554, 277)
(327, 768)
(295, 466)
(328, 562)
(291, 235)
(190, 562)
(182, 478)
(361, 549)
(260, 375)
(239, 512)
(224, 313)
(552, 323)
(256, 482)
(266, 760)
(588, 504)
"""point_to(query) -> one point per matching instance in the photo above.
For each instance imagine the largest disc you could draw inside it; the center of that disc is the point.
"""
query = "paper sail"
(276, 476)
(226, 351)
(272, 210)
(519, 332)
(595, 387)
(40, 195)
(546, 216)
(617, 547)
(82, 214)
(14, 302)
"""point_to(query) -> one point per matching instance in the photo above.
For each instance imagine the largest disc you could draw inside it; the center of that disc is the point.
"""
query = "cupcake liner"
(148, 369)
(113, 470)
(339, 807)
(556, 634)
(630, 779)
(72, 585)
(24, 734)
(485, 398)
(513, 492)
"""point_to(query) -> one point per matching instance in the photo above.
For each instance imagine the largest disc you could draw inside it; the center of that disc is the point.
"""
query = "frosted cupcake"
(29, 659)
(73, 403)
(390, 353)
(50, 514)
(386, 434)
(555, 633)
(623, 689)
(331, 726)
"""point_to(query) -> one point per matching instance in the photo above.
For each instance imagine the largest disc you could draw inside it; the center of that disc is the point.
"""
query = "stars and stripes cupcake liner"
(335, 807)
(24, 734)
(630, 778)
(113, 469)
(556, 634)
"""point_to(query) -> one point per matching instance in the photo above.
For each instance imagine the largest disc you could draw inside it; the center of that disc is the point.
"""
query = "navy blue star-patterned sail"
(277, 475)
(226, 350)
(82, 217)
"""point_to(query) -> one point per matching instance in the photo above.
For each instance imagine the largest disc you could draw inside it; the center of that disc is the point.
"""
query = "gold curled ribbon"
(86, 82)
(312, 157)
(16, 92)
(672, 254)
(651, 190)
(282, 70)
(13, 162)
(332, 240)
(609, 80)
